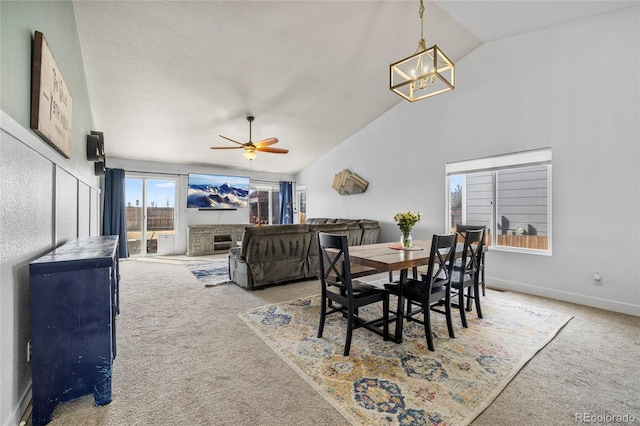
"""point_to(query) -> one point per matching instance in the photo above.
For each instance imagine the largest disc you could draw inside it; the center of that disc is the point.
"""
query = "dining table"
(390, 257)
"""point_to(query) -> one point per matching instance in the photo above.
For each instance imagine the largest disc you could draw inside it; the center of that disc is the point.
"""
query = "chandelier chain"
(421, 13)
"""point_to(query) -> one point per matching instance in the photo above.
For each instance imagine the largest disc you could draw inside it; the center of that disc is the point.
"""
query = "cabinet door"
(71, 338)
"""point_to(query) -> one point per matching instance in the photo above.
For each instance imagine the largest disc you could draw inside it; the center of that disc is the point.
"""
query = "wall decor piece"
(347, 183)
(51, 102)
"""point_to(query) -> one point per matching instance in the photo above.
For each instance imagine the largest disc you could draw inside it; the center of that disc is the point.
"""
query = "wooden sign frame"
(51, 101)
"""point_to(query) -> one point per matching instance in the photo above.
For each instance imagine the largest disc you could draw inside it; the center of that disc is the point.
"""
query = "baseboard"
(27, 415)
(581, 299)
(18, 414)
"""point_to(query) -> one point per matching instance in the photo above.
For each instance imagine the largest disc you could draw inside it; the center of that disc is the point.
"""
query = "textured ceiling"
(166, 78)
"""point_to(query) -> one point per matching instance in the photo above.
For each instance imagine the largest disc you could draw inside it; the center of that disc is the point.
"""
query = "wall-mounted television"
(217, 192)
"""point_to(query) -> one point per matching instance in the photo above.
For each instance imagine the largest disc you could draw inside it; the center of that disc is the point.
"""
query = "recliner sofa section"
(277, 254)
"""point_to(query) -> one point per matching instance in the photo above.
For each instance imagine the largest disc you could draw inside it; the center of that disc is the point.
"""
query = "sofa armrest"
(236, 253)
(239, 271)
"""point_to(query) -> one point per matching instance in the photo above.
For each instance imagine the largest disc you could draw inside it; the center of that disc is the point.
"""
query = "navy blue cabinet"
(74, 303)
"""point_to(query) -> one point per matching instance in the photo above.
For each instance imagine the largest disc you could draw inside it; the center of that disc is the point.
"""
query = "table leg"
(400, 308)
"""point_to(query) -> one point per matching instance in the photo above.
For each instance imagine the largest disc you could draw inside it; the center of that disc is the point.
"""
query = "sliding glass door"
(151, 215)
(301, 193)
(264, 204)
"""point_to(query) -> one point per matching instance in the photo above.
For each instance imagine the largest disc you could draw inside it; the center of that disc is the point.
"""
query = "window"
(509, 194)
(302, 204)
(264, 203)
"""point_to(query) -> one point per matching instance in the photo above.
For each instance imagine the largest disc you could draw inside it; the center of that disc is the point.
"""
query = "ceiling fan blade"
(226, 147)
(229, 139)
(273, 150)
(265, 142)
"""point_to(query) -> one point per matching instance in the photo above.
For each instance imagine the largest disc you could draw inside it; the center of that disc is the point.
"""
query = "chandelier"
(426, 73)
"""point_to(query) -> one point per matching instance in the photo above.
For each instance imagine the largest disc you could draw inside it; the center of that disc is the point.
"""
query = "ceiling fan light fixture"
(426, 73)
(250, 154)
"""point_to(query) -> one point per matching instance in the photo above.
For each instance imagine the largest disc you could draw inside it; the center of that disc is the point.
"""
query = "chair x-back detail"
(342, 294)
(466, 274)
(434, 289)
(461, 230)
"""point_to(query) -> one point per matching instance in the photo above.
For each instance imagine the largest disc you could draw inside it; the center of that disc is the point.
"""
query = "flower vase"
(406, 240)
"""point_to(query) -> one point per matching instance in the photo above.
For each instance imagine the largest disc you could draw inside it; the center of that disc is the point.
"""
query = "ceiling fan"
(250, 147)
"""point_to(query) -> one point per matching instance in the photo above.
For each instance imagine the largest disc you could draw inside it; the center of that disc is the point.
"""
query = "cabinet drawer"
(224, 230)
(201, 231)
(226, 245)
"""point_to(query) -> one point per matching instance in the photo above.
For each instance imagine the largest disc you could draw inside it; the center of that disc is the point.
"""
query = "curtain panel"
(115, 218)
(286, 202)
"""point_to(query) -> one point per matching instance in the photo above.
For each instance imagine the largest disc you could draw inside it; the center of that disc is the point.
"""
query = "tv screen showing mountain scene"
(206, 191)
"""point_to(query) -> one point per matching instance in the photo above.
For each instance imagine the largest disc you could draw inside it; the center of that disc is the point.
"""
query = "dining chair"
(340, 293)
(434, 289)
(460, 230)
(466, 272)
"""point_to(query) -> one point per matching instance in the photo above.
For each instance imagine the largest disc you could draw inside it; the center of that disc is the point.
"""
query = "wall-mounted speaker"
(95, 152)
(100, 168)
(95, 146)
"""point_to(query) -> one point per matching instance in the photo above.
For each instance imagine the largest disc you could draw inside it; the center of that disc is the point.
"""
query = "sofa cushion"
(316, 220)
(370, 231)
(276, 253)
(270, 230)
(330, 228)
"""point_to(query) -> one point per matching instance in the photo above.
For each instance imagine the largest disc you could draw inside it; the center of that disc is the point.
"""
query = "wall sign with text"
(51, 103)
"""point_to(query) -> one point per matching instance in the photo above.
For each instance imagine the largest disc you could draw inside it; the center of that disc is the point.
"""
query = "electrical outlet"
(597, 279)
(29, 351)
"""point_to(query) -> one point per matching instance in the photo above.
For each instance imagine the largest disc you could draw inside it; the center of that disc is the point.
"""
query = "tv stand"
(212, 239)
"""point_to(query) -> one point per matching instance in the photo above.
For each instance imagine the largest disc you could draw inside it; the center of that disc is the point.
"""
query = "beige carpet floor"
(185, 357)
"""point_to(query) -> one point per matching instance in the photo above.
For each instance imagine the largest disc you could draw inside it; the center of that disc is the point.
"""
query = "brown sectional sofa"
(275, 254)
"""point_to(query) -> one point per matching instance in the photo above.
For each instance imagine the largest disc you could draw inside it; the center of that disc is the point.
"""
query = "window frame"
(299, 205)
(270, 188)
(495, 164)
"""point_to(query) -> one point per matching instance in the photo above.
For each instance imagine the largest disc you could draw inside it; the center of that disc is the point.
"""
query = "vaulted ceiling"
(165, 78)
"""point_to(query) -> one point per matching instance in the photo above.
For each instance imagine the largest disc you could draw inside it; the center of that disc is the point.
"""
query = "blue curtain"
(286, 202)
(115, 219)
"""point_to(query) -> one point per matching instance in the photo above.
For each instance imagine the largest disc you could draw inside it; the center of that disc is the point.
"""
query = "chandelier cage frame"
(428, 72)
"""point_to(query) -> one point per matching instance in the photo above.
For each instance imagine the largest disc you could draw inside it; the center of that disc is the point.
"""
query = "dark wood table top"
(384, 258)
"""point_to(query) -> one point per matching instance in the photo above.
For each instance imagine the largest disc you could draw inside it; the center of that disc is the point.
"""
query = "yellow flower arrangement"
(406, 221)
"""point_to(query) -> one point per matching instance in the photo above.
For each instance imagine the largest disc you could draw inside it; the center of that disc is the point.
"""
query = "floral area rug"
(209, 272)
(406, 384)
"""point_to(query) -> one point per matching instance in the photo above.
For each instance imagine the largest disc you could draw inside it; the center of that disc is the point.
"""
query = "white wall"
(180, 172)
(574, 88)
